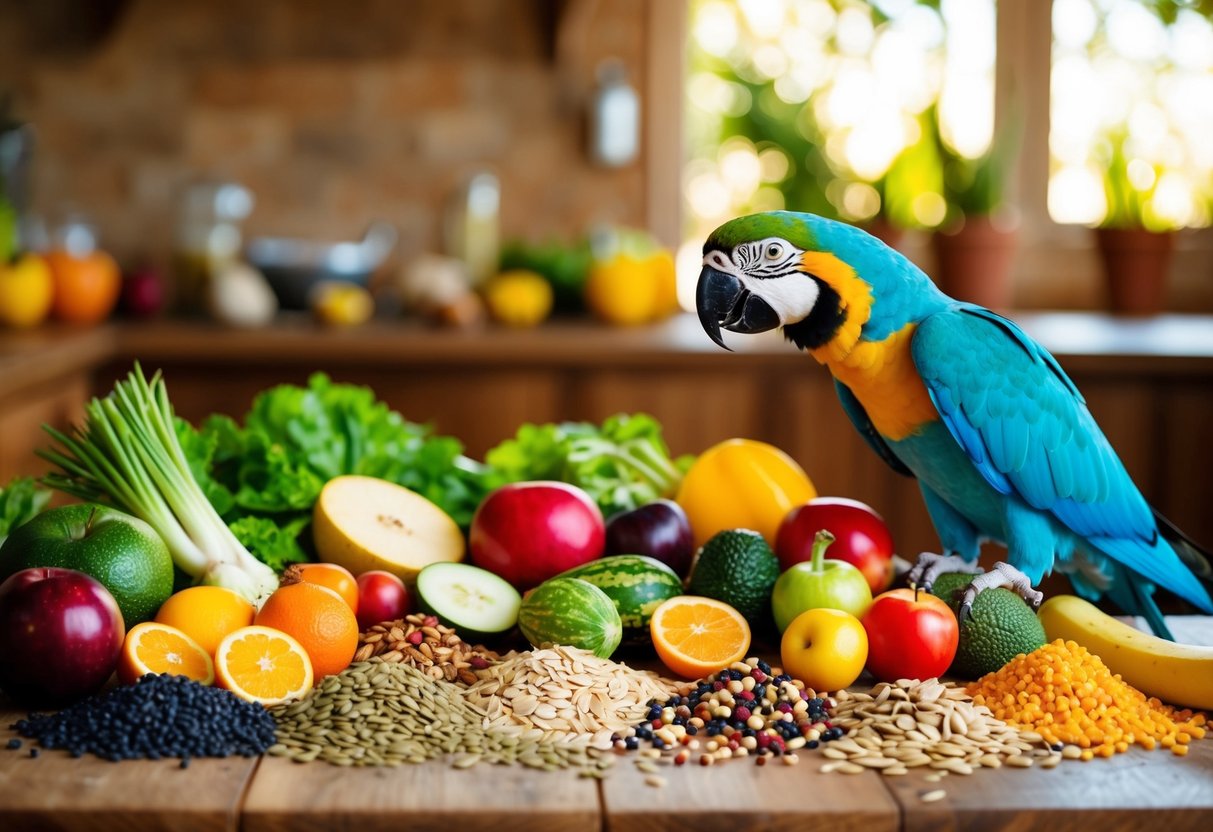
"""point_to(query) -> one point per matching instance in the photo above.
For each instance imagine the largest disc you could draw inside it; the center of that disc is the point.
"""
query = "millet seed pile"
(1069, 696)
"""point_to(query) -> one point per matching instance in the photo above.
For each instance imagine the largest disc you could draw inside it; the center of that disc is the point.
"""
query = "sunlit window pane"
(807, 104)
(1131, 115)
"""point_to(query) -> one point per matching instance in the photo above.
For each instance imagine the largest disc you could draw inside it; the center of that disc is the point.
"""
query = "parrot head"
(818, 279)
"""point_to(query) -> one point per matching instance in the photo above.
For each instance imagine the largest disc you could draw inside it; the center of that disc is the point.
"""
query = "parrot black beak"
(722, 301)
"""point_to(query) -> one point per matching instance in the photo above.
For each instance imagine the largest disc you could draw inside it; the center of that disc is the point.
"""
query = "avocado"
(737, 566)
(1001, 626)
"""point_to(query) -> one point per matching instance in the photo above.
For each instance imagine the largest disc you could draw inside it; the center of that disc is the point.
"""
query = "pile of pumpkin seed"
(378, 713)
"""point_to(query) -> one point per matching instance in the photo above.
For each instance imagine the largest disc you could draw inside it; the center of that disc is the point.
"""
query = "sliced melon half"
(364, 523)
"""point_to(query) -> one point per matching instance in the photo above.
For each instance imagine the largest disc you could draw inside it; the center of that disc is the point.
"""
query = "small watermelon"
(573, 612)
(637, 584)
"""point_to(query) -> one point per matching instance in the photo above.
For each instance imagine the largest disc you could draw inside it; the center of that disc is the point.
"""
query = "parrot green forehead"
(795, 228)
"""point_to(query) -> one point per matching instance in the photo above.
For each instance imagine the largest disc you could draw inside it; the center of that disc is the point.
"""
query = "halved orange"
(261, 664)
(695, 637)
(158, 648)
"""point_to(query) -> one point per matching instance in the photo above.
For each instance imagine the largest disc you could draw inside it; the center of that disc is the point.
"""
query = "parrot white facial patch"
(792, 296)
(770, 269)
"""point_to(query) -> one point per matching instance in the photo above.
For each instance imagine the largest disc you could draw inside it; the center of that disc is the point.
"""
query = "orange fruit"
(86, 287)
(206, 614)
(158, 648)
(261, 664)
(695, 637)
(319, 619)
(335, 577)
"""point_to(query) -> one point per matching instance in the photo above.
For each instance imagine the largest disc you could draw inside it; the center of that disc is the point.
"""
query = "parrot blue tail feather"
(1136, 597)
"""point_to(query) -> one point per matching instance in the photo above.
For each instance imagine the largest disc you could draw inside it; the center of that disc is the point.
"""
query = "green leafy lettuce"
(265, 475)
(622, 465)
(19, 502)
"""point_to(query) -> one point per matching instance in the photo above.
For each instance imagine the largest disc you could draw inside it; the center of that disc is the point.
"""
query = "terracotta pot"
(1136, 263)
(973, 263)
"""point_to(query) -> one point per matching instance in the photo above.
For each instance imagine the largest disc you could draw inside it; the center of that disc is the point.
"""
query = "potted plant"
(1134, 242)
(976, 242)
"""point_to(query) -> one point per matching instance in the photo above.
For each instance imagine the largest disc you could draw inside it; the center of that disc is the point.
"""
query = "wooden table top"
(1139, 790)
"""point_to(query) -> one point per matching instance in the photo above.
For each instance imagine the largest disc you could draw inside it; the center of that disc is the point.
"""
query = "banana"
(1178, 674)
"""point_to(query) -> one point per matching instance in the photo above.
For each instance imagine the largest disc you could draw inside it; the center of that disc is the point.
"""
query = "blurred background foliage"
(882, 111)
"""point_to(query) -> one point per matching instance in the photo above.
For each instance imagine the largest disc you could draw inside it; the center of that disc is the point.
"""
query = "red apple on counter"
(911, 635)
(659, 529)
(381, 597)
(60, 636)
(527, 532)
(861, 537)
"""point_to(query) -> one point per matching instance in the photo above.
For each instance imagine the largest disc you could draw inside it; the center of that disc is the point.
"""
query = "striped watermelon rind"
(637, 585)
(572, 612)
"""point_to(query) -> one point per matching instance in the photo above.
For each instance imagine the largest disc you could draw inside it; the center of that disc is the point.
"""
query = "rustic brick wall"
(333, 113)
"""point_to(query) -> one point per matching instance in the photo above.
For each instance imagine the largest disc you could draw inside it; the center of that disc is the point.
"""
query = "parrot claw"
(930, 566)
(964, 613)
(1002, 575)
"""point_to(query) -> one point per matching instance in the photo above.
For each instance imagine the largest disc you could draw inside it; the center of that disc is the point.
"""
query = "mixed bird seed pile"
(1071, 698)
(747, 708)
(158, 716)
(566, 690)
(379, 713)
(431, 647)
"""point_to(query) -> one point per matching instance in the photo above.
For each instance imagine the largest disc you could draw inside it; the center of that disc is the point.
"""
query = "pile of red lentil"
(1068, 695)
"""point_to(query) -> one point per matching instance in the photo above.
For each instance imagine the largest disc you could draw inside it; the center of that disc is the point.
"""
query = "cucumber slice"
(472, 600)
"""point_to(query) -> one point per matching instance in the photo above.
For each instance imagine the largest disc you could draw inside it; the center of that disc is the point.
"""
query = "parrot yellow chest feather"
(883, 377)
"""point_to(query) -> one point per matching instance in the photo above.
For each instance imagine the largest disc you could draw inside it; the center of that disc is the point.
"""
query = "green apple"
(122, 552)
(819, 583)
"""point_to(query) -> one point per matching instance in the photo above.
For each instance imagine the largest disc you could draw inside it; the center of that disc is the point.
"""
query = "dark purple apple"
(527, 532)
(60, 636)
(659, 529)
(143, 293)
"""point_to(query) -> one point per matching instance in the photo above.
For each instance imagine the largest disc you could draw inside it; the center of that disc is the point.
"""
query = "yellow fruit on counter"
(519, 298)
(627, 290)
(1178, 674)
(26, 291)
(364, 523)
(742, 484)
(337, 303)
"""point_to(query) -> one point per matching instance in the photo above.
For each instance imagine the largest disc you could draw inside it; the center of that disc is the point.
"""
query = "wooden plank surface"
(317, 796)
(89, 794)
(1139, 790)
(739, 796)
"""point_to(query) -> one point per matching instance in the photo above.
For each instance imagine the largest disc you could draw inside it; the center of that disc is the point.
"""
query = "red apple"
(911, 635)
(381, 597)
(861, 537)
(60, 636)
(527, 532)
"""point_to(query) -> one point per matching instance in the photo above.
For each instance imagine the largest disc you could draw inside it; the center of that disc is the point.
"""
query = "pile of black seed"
(158, 716)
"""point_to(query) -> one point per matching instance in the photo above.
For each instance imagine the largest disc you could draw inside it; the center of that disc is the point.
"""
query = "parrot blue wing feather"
(859, 418)
(1026, 428)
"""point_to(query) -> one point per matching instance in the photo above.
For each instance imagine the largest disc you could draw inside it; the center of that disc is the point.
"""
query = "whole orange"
(86, 286)
(335, 577)
(319, 619)
(206, 614)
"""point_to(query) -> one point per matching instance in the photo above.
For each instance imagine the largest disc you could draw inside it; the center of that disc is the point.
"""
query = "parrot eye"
(774, 251)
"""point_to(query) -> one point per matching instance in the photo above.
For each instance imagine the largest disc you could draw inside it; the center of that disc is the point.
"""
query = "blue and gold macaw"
(998, 436)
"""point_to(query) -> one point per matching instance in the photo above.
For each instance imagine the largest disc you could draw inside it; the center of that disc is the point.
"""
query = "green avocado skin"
(1001, 627)
(738, 567)
(123, 552)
